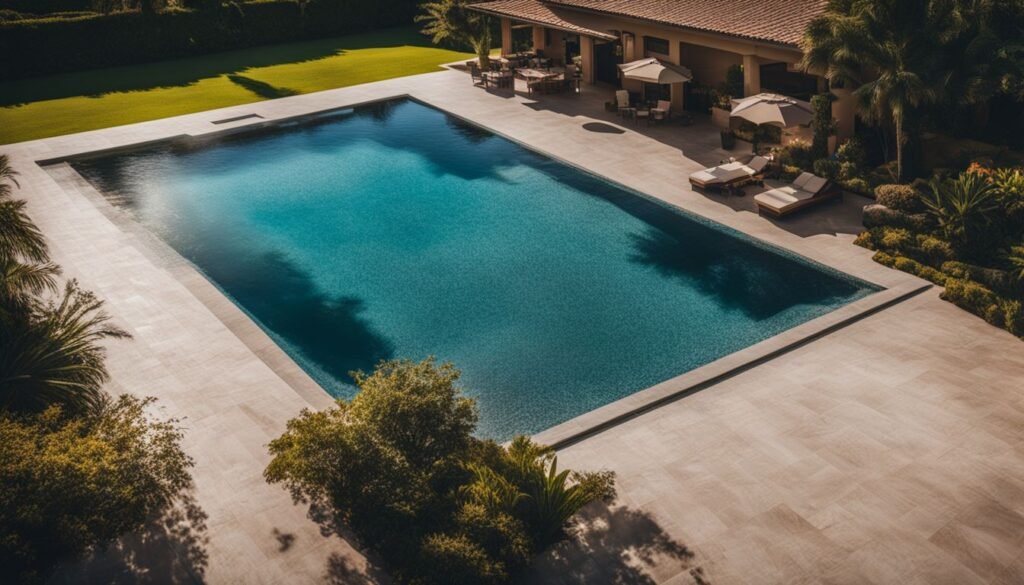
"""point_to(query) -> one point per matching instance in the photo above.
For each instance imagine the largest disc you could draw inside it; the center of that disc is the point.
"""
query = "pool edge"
(561, 435)
(602, 418)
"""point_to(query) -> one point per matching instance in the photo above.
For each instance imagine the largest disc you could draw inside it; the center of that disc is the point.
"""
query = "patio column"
(506, 35)
(538, 39)
(844, 111)
(751, 75)
(587, 59)
(674, 52)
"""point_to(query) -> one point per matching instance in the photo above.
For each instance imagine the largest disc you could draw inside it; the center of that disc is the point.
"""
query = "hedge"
(59, 44)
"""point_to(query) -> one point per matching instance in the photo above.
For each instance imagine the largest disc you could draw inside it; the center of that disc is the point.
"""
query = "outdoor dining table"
(537, 77)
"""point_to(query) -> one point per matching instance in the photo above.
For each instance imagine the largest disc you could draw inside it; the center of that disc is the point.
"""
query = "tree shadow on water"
(614, 545)
(284, 298)
(737, 274)
(168, 550)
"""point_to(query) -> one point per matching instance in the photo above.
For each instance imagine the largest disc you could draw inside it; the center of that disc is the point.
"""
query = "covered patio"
(598, 39)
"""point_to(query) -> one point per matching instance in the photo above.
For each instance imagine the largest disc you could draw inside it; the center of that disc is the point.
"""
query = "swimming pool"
(396, 230)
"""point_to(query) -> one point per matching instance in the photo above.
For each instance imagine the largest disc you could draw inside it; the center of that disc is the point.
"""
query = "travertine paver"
(891, 451)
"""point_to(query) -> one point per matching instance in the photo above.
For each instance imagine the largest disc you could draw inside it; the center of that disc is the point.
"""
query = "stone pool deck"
(889, 451)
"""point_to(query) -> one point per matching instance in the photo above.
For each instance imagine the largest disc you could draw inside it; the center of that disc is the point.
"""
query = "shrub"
(899, 197)
(398, 464)
(71, 484)
(123, 38)
(895, 238)
(852, 151)
(457, 560)
(866, 239)
(856, 185)
(990, 277)
(969, 295)
(935, 250)
(1013, 317)
(848, 170)
(797, 153)
(827, 168)
(880, 215)
(910, 266)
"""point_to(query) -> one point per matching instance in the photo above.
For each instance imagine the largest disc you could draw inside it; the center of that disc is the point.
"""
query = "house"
(705, 36)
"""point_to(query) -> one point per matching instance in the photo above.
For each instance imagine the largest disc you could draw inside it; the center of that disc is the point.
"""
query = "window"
(655, 45)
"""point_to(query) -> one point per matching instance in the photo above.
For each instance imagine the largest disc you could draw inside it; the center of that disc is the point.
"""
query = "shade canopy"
(655, 71)
(770, 108)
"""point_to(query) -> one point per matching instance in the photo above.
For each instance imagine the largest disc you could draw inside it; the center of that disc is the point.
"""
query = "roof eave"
(590, 33)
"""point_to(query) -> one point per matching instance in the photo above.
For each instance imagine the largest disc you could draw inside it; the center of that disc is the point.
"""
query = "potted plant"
(721, 108)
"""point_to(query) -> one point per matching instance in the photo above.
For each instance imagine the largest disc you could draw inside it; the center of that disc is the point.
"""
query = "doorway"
(607, 58)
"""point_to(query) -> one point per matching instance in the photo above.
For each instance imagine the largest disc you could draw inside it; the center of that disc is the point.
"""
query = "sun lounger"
(730, 175)
(806, 190)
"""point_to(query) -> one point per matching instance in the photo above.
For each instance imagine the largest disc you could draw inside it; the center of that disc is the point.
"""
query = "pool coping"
(559, 436)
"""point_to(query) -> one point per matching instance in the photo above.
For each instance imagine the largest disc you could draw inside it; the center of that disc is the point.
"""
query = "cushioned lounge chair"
(730, 175)
(805, 191)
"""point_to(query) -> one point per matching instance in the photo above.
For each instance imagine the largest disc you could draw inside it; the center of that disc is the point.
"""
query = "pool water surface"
(396, 230)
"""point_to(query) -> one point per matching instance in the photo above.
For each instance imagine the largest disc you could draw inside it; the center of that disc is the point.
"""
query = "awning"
(774, 109)
(655, 71)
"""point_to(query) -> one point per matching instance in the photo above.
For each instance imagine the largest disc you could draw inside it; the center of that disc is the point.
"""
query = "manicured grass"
(75, 102)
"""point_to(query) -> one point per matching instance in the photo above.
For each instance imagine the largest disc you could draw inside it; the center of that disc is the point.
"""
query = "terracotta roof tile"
(777, 21)
(539, 13)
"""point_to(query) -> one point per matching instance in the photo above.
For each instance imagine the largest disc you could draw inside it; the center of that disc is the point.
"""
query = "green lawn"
(75, 102)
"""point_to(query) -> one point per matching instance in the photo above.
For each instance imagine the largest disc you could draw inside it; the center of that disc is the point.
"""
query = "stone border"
(560, 436)
(604, 417)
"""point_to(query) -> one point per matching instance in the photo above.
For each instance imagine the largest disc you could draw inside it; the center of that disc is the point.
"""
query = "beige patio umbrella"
(655, 71)
(774, 109)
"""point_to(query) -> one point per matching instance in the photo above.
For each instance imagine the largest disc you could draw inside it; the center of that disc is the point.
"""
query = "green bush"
(935, 250)
(852, 151)
(856, 185)
(880, 215)
(895, 238)
(827, 168)
(797, 154)
(1013, 317)
(899, 197)
(910, 266)
(89, 41)
(970, 295)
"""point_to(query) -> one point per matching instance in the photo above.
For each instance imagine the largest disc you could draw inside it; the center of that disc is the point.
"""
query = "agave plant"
(53, 354)
(1015, 259)
(962, 206)
(553, 497)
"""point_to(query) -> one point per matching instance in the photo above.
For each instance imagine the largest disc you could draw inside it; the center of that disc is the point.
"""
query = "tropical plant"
(452, 21)
(962, 207)
(52, 354)
(888, 49)
(70, 484)
(7, 176)
(1015, 259)
(399, 466)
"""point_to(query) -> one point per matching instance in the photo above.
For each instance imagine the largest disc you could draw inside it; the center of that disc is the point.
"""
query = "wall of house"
(708, 64)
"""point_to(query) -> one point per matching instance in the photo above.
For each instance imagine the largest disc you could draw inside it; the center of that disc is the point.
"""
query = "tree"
(890, 50)
(69, 484)
(25, 267)
(452, 21)
(52, 354)
(398, 465)
(377, 461)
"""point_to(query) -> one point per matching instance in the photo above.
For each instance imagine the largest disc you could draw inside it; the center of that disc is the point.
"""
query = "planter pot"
(720, 117)
(728, 139)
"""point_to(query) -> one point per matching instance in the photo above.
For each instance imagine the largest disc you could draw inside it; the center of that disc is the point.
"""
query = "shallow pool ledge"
(600, 419)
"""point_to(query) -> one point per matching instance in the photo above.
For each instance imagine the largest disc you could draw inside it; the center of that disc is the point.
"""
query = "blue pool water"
(397, 231)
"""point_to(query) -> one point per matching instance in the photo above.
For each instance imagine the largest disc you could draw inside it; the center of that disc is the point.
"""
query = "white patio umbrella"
(774, 109)
(655, 71)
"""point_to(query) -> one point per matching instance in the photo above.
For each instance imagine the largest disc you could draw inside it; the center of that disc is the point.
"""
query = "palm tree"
(891, 50)
(450, 20)
(7, 175)
(53, 355)
(962, 206)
